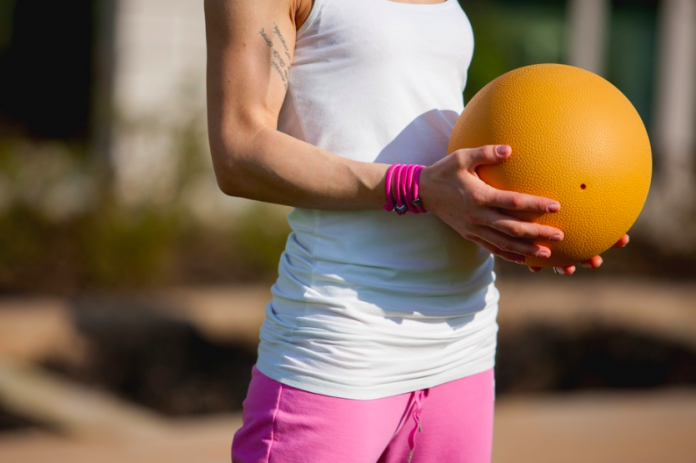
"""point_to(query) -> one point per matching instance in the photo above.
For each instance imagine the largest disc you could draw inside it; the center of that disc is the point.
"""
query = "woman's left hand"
(594, 262)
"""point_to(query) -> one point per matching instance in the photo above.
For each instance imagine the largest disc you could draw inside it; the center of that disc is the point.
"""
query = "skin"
(250, 47)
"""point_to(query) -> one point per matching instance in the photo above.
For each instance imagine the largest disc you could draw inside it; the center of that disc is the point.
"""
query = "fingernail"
(544, 254)
(554, 208)
(502, 150)
(557, 237)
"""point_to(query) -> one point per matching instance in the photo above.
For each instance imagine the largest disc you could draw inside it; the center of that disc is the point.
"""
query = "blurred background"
(132, 289)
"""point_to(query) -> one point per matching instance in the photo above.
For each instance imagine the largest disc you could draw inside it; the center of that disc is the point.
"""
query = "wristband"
(389, 207)
(401, 207)
(402, 189)
(416, 197)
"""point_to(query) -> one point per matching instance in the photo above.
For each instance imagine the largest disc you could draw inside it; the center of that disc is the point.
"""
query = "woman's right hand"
(452, 190)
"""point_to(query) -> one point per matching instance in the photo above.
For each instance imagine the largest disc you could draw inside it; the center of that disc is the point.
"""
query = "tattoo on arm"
(278, 58)
(277, 62)
(280, 73)
(265, 38)
(282, 41)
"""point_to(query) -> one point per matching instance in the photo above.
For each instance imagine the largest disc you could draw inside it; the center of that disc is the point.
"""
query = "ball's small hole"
(583, 186)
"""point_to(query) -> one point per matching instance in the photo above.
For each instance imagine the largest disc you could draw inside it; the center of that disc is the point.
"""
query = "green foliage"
(509, 35)
(262, 234)
(127, 249)
(6, 12)
(62, 229)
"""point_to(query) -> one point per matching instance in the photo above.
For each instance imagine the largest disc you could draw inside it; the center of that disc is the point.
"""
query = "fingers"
(622, 242)
(597, 261)
(505, 243)
(489, 154)
(567, 270)
(512, 201)
(518, 228)
(469, 159)
(509, 256)
(593, 262)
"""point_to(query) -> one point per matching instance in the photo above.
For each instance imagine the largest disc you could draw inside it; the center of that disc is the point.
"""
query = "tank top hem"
(317, 386)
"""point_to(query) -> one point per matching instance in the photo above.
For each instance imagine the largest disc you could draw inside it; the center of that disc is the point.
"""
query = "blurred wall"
(671, 208)
(158, 84)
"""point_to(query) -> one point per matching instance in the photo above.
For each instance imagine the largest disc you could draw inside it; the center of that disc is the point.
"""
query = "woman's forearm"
(270, 166)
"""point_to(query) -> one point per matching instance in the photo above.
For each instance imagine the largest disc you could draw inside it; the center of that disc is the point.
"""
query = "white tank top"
(369, 304)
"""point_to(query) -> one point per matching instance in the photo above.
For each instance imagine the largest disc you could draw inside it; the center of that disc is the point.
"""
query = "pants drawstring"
(416, 409)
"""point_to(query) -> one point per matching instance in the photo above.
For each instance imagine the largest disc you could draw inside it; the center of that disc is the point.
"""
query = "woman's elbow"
(235, 154)
(228, 185)
(229, 169)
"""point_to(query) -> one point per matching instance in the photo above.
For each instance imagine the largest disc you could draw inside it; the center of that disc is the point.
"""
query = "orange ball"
(575, 138)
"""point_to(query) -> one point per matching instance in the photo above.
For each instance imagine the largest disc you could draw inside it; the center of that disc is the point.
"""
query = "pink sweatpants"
(450, 423)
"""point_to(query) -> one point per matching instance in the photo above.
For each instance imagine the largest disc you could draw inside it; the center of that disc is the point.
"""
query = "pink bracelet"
(401, 188)
(389, 207)
(401, 207)
(408, 190)
(405, 187)
(416, 197)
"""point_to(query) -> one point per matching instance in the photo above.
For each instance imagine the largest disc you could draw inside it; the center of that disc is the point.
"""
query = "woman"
(382, 328)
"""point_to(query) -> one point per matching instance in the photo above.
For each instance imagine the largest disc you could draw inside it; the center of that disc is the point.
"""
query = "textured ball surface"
(575, 138)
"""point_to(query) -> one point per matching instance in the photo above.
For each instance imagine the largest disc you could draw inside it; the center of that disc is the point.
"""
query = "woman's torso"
(378, 81)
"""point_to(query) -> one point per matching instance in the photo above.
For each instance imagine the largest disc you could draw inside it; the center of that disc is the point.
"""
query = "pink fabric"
(450, 423)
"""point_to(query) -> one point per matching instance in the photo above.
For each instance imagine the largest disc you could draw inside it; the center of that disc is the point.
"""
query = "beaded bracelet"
(401, 188)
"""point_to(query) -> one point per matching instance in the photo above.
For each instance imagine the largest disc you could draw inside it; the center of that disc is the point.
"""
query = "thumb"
(489, 154)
